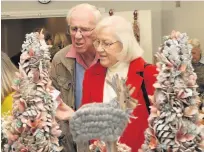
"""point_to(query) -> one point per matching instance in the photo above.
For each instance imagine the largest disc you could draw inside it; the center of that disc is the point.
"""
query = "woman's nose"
(100, 49)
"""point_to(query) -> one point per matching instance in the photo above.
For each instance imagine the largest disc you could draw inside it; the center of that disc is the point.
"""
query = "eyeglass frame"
(102, 44)
(78, 28)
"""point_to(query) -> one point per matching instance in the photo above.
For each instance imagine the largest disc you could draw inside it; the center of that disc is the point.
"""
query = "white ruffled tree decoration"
(32, 126)
(174, 124)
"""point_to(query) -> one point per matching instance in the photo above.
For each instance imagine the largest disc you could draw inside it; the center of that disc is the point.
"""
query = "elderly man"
(70, 63)
(198, 64)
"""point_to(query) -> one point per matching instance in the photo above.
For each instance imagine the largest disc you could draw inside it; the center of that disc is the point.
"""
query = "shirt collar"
(73, 54)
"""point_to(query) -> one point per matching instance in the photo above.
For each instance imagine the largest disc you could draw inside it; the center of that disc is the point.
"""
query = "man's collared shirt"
(79, 73)
(73, 54)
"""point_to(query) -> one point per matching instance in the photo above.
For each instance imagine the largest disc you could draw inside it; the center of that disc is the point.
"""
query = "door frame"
(37, 14)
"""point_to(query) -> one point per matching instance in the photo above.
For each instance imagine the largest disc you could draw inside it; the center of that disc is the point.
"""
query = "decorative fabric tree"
(174, 124)
(32, 126)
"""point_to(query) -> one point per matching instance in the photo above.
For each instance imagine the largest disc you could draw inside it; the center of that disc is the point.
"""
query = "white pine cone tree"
(32, 126)
(174, 122)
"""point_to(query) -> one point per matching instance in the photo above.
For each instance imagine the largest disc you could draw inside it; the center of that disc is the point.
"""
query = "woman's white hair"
(92, 8)
(123, 30)
(7, 75)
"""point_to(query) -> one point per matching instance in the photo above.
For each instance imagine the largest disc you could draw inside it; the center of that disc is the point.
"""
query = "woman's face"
(107, 47)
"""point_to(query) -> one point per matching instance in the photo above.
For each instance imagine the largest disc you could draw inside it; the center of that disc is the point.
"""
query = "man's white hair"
(123, 30)
(92, 8)
(196, 44)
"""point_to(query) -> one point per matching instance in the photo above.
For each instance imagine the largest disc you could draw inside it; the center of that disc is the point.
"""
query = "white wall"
(165, 16)
(145, 25)
(188, 18)
(155, 8)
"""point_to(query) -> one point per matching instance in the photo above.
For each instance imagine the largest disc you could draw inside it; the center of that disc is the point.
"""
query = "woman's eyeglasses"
(103, 44)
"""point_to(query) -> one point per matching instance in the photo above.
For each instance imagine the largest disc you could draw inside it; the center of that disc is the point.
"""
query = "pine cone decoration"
(32, 126)
(174, 122)
(136, 26)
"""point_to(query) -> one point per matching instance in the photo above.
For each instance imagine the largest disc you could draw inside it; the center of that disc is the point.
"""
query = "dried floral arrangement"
(174, 122)
(104, 121)
(32, 126)
(136, 28)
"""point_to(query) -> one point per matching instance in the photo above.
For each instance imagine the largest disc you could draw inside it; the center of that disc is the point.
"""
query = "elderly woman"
(198, 63)
(120, 54)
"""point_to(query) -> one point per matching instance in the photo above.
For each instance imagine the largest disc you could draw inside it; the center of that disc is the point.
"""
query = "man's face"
(81, 28)
(196, 54)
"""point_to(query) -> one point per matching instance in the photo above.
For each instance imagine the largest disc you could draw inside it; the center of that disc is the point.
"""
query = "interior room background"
(165, 16)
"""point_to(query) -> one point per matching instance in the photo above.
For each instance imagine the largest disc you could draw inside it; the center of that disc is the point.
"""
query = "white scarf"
(120, 68)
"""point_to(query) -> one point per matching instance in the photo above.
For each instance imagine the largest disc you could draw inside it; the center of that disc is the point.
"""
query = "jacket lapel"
(134, 78)
(69, 63)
